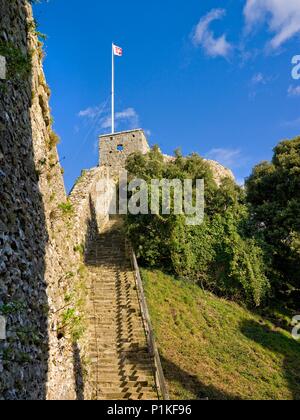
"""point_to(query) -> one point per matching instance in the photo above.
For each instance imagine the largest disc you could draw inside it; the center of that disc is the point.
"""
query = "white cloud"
(129, 115)
(106, 122)
(282, 17)
(203, 36)
(101, 119)
(90, 112)
(259, 79)
(294, 90)
(231, 158)
(241, 182)
(292, 123)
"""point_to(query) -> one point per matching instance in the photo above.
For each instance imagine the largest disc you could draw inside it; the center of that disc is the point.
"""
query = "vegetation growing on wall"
(32, 27)
(18, 64)
(72, 320)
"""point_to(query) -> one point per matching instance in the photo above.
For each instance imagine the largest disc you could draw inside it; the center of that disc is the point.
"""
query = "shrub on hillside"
(274, 197)
(218, 254)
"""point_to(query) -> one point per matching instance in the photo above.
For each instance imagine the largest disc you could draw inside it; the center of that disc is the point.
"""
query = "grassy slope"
(216, 349)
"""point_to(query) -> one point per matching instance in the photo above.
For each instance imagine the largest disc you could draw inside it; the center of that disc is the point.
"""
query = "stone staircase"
(121, 366)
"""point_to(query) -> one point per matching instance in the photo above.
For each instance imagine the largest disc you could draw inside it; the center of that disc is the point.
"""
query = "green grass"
(217, 349)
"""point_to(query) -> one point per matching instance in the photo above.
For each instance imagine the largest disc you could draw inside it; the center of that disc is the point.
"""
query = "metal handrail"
(159, 374)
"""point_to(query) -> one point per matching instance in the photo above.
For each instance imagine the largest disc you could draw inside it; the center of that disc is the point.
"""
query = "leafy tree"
(218, 254)
(274, 196)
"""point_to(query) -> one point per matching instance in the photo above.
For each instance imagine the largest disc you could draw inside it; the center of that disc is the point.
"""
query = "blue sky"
(213, 77)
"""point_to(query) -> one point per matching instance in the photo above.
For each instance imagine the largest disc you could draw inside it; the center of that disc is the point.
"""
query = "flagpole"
(113, 92)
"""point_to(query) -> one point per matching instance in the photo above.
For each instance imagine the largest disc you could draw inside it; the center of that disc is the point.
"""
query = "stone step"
(121, 367)
(124, 384)
(124, 345)
(129, 371)
(124, 363)
(115, 362)
(129, 396)
(124, 390)
(134, 390)
(107, 376)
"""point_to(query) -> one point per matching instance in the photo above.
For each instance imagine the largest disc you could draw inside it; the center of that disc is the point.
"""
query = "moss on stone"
(19, 65)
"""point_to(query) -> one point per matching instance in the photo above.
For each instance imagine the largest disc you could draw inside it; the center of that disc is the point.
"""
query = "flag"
(118, 51)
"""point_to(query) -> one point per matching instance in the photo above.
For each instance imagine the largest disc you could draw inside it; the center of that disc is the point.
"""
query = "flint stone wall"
(36, 241)
(2, 67)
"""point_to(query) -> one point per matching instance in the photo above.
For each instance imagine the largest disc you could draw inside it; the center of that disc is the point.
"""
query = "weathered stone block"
(2, 328)
(2, 67)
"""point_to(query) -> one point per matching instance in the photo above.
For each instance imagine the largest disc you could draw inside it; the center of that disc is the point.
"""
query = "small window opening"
(120, 148)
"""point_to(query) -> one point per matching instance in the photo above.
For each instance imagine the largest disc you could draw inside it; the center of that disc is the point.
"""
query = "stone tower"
(114, 149)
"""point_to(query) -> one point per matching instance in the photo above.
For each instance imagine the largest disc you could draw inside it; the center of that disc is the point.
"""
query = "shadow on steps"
(78, 373)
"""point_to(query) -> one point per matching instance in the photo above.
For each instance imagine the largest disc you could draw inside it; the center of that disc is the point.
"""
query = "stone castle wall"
(114, 149)
(23, 232)
(36, 238)
(85, 197)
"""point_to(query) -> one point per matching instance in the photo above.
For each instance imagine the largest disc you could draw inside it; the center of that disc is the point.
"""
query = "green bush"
(18, 64)
(66, 208)
(53, 140)
(219, 254)
(274, 197)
